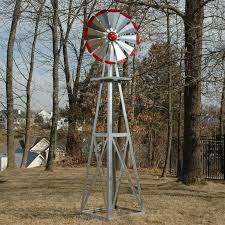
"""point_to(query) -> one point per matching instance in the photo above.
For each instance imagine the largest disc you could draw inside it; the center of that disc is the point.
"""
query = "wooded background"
(178, 77)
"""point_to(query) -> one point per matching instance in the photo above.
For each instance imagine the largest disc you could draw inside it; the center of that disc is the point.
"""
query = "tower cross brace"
(112, 180)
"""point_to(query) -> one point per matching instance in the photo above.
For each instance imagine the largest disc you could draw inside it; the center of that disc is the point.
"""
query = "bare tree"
(28, 86)
(72, 89)
(170, 111)
(9, 85)
(72, 83)
(222, 105)
(193, 20)
(192, 164)
(56, 56)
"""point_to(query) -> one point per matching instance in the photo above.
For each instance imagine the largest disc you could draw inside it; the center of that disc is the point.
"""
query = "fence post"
(223, 157)
(170, 162)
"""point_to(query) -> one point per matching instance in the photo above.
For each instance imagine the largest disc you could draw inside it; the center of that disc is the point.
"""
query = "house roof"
(31, 157)
(44, 113)
(40, 145)
(19, 156)
(20, 145)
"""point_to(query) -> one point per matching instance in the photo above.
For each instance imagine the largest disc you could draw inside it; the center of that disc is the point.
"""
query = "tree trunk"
(170, 113)
(180, 126)
(53, 137)
(133, 95)
(9, 85)
(71, 146)
(28, 90)
(192, 171)
(222, 108)
(179, 138)
(71, 130)
(73, 85)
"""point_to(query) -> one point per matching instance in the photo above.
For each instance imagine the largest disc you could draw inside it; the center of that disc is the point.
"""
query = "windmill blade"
(127, 48)
(122, 22)
(129, 38)
(110, 55)
(93, 34)
(102, 50)
(96, 25)
(113, 19)
(119, 53)
(104, 20)
(96, 43)
(111, 36)
(128, 29)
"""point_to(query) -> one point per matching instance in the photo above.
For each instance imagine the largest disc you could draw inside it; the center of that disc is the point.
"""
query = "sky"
(42, 80)
(42, 77)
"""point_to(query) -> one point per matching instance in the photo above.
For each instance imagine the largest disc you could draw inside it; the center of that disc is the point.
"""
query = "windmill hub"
(112, 36)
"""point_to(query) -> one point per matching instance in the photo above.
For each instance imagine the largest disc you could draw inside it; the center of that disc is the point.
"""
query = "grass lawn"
(33, 196)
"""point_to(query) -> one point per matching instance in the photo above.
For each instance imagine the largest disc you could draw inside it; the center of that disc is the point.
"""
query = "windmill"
(111, 37)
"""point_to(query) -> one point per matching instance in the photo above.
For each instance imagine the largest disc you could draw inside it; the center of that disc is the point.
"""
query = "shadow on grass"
(3, 181)
(190, 194)
(177, 189)
(25, 213)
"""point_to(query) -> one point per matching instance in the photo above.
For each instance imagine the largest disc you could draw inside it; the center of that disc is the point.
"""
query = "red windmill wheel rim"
(111, 36)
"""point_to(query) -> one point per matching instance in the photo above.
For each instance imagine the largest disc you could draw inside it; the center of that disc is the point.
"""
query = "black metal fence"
(213, 157)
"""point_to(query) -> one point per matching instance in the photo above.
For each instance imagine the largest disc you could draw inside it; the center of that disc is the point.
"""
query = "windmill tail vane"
(111, 37)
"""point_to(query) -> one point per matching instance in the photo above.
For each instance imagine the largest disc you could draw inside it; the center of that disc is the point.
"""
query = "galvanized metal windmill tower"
(111, 37)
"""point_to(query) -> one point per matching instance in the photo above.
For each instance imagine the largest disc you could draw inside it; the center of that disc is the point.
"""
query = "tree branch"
(161, 7)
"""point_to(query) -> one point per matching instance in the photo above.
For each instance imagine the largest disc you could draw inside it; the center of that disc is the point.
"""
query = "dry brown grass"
(32, 196)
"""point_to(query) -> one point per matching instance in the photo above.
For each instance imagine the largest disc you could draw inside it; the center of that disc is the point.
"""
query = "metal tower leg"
(132, 153)
(86, 191)
(112, 181)
(110, 146)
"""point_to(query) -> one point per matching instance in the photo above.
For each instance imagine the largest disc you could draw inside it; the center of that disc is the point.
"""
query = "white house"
(19, 118)
(62, 123)
(45, 116)
(37, 156)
